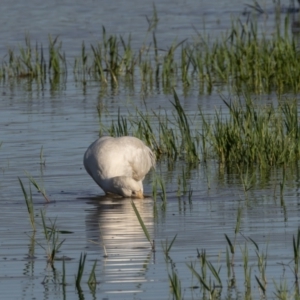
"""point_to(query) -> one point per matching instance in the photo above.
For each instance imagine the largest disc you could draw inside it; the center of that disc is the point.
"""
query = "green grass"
(29, 204)
(243, 59)
(38, 187)
(53, 242)
(143, 226)
(246, 136)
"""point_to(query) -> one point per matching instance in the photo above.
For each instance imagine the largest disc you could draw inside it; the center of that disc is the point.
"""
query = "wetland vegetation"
(254, 133)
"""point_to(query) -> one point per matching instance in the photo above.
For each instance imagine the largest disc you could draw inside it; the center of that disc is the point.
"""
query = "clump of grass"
(92, 281)
(209, 286)
(256, 135)
(248, 134)
(53, 244)
(31, 62)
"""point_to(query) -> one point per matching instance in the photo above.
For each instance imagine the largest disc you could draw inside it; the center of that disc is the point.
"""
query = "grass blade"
(142, 225)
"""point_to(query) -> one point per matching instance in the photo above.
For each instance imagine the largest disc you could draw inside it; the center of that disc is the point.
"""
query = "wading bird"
(119, 165)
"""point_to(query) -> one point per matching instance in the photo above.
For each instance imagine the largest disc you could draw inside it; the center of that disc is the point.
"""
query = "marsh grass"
(246, 136)
(212, 286)
(244, 58)
(166, 246)
(247, 269)
(143, 226)
(175, 285)
(254, 134)
(80, 271)
(31, 62)
(232, 246)
(29, 204)
(92, 281)
(210, 280)
(296, 251)
(158, 184)
(188, 141)
(51, 234)
(38, 187)
(42, 160)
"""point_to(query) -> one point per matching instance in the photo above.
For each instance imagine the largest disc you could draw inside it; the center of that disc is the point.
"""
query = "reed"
(255, 135)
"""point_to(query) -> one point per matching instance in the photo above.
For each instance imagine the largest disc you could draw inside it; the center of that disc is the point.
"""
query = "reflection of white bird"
(119, 165)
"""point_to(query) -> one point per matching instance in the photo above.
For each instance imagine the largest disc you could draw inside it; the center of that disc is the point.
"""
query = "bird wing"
(140, 158)
(123, 156)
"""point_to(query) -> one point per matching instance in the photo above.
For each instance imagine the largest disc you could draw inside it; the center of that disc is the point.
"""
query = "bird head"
(126, 187)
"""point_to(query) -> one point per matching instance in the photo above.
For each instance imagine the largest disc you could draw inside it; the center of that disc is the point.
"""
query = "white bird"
(119, 165)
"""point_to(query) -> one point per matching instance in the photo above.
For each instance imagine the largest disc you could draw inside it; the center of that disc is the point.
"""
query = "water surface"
(64, 121)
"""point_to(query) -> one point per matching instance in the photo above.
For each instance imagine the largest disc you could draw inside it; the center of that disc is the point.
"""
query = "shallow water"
(64, 121)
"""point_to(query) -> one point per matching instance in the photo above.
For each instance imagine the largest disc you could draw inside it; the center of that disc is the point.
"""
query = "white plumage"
(119, 165)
